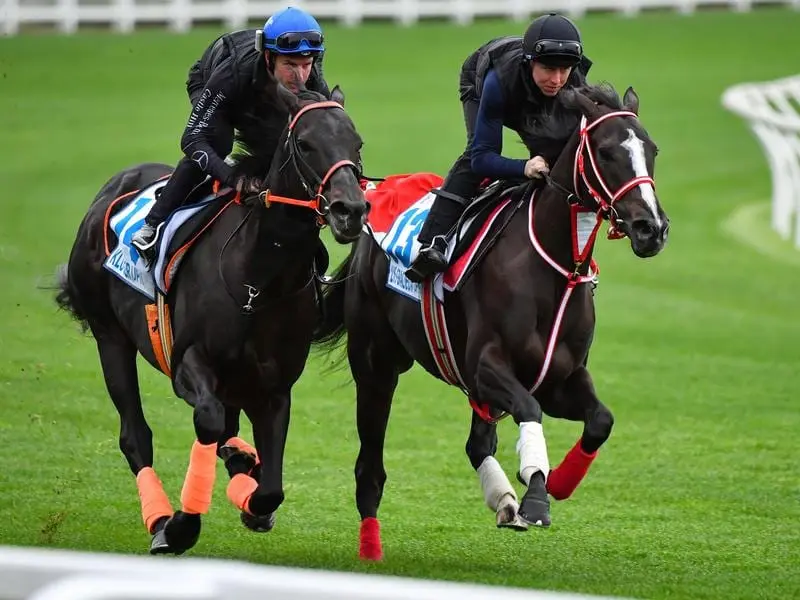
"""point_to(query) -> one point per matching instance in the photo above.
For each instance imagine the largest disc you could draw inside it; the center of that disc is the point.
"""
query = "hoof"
(182, 531)
(535, 507)
(237, 461)
(159, 545)
(539, 518)
(507, 518)
(259, 524)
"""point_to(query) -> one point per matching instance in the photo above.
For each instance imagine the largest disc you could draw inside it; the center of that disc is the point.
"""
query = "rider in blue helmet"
(225, 88)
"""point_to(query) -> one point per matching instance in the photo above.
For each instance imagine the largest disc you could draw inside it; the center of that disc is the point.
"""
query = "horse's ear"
(587, 106)
(337, 95)
(289, 99)
(630, 100)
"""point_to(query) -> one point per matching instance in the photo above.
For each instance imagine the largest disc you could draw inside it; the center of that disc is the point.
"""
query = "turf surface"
(695, 494)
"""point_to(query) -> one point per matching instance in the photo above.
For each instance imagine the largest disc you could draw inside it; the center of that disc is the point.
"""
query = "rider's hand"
(249, 185)
(536, 167)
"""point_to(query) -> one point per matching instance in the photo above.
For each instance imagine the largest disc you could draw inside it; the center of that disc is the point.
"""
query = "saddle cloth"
(400, 205)
(177, 233)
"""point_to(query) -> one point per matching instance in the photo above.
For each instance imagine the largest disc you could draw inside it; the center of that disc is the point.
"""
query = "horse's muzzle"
(648, 237)
(346, 220)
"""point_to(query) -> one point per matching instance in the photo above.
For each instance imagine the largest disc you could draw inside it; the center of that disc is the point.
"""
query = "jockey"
(511, 82)
(225, 88)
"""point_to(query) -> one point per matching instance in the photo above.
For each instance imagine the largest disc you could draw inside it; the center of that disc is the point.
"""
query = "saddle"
(400, 207)
(461, 236)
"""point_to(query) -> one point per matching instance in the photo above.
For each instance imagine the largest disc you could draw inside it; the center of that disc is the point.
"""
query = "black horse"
(519, 328)
(243, 309)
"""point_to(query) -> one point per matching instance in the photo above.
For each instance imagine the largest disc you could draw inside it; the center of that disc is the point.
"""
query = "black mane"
(602, 93)
(551, 133)
(264, 128)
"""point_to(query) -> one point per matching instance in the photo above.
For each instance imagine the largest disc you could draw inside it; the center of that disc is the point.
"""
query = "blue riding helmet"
(293, 31)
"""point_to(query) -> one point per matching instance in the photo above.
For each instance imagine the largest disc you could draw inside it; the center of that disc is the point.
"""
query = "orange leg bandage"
(199, 482)
(242, 446)
(155, 503)
(240, 488)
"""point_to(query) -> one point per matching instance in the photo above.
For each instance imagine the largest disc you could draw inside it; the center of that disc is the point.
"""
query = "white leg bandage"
(494, 482)
(532, 450)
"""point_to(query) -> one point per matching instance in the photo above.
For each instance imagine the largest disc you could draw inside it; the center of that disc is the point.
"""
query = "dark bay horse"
(519, 328)
(243, 309)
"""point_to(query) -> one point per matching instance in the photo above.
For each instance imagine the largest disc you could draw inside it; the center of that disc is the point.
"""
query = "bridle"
(603, 201)
(312, 183)
(309, 178)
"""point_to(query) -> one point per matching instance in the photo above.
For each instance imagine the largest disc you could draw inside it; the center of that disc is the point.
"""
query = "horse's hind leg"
(244, 467)
(118, 360)
(238, 455)
(580, 403)
(376, 361)
(198, 384)
(256, 488)
(497, 490)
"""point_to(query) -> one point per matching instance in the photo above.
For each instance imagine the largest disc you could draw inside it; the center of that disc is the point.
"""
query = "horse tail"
(330, 330)
(68, 298)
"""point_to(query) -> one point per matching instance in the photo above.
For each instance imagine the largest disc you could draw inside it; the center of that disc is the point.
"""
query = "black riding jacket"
(512, 100)
(227, 87)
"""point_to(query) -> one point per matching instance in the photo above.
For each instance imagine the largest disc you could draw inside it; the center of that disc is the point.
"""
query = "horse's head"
(319, 159)
(614, 166)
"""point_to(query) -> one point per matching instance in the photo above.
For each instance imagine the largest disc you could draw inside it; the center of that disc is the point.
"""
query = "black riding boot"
(459, 187)
(433, 237)
(183, 180)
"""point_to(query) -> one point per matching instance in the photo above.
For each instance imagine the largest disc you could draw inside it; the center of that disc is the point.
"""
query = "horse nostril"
(339, 210)
(644, 228)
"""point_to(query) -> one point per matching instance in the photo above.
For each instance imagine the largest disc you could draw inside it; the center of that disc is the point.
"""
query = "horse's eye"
(303, 145)
(605, 153)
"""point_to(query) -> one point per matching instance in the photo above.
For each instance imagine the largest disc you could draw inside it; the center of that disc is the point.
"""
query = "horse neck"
(552, 219)
(554, 222)
(287, 232)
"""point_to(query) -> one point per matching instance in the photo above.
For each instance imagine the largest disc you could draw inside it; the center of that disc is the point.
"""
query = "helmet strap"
(270, 58)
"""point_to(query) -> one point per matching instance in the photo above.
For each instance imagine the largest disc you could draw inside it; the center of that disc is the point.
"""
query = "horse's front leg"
(496, 384)
(257, 489)
(576, 400)
(198, 382)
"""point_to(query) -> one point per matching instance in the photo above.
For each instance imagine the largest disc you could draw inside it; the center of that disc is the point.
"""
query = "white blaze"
(635, 148)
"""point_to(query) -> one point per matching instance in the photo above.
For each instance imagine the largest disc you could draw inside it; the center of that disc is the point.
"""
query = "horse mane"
(262, 131)
(601, 93)
(550, 134)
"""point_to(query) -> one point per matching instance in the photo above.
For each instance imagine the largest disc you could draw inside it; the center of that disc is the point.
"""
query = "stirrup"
(149, 245)
(424, 265)
(414, 273)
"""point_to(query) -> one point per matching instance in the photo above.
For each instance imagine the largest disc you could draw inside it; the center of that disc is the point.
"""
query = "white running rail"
(180, 15)
(43, 574)
(772, 110)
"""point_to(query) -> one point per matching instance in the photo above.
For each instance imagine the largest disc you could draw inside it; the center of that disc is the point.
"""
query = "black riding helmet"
(554, 41)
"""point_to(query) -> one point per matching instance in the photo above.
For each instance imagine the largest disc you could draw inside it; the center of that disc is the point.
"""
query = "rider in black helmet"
(511, 82)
